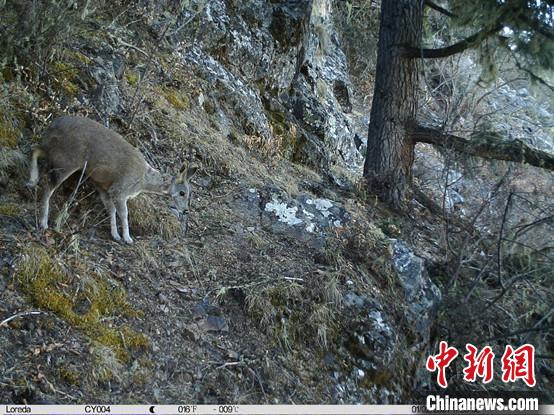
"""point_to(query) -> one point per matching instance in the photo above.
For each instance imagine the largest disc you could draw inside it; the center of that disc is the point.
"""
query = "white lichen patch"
(323, 205)
(315, 215)
(283, 212)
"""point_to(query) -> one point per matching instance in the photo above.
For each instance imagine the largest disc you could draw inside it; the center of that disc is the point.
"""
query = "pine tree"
(523, 28)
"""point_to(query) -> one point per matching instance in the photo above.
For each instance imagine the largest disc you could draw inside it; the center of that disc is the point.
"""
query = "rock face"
(107, 70)
(305, 218)
(420, 293)
(273, 64)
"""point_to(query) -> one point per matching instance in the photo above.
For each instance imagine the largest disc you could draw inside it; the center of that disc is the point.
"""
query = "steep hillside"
(292, 284)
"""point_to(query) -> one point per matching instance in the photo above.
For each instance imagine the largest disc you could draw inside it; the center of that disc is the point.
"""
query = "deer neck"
(154, 182)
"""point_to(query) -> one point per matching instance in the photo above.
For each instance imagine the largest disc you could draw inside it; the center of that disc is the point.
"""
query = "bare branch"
(467, 43)
(531, 74)
(490, 148)
(21, 314)
(436, 7)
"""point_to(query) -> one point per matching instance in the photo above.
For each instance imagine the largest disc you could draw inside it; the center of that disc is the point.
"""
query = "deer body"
(118, 169)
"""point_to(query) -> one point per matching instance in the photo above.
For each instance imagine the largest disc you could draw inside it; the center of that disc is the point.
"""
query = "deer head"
(180, 191)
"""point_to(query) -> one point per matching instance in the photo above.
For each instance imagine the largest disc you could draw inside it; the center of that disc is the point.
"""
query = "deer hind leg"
(110, 206)
(121, 205)
(34, 173)
(55, 178)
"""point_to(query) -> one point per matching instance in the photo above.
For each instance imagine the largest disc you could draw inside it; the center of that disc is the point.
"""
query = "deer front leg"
(45, 207)
(110, 206)
(123, 213)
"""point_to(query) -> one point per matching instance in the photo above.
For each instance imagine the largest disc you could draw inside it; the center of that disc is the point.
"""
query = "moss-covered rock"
(51, 287)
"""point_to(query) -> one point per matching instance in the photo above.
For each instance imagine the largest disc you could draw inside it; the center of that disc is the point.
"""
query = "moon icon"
(152, 411)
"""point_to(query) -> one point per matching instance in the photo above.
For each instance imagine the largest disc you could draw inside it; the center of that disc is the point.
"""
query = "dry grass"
(10, 209)
(151, 217)
(107, 366)
(295, 312)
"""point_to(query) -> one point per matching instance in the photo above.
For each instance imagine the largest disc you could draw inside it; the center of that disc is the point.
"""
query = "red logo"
(441, 361)
(478, 364)
(516, 364)
(519, 364)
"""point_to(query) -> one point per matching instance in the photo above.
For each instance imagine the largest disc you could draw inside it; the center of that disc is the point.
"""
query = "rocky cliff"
(293, 284)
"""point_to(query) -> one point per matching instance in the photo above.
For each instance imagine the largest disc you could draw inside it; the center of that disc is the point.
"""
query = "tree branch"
(531, 74)
(467, 43)
(538, 27)
(485, 147)
(438, 8)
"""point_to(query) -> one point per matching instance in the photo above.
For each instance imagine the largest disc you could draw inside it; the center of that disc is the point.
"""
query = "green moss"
(9, 136)
(290, 144)
(64, 75)
(7, 74)
(70, 375)
(9, 209)
(64, 68)
(278, 122)
(85, 60)
(132, 78)
(176, 99)
(47, 284)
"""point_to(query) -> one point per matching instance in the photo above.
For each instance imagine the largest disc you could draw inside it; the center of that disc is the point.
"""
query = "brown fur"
(118, 169)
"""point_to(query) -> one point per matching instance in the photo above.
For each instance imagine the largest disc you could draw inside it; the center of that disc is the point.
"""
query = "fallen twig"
(21, 314)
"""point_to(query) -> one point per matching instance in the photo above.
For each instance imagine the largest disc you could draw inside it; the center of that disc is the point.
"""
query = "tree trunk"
(390, 150)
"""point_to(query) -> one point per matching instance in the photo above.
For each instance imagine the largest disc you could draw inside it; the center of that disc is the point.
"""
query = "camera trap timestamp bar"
(224, 409)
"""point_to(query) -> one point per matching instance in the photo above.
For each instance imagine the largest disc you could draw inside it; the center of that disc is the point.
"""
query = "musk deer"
(118, 169)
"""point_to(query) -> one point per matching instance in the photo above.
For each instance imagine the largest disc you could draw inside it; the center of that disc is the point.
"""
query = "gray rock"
(208, 319)
(271, 64)
(351, 299)
(106, 71)
(215, 324)
(420, 293)
(305, 217)
(231, 95)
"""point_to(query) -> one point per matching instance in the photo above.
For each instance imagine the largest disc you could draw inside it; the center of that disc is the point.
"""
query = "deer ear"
(191, 171)
(181, 177)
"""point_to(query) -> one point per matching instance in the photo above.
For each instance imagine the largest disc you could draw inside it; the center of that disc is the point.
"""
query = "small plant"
(296, 313)
(148, 218)
(64, 76)
(177, 100)
(132, 78)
